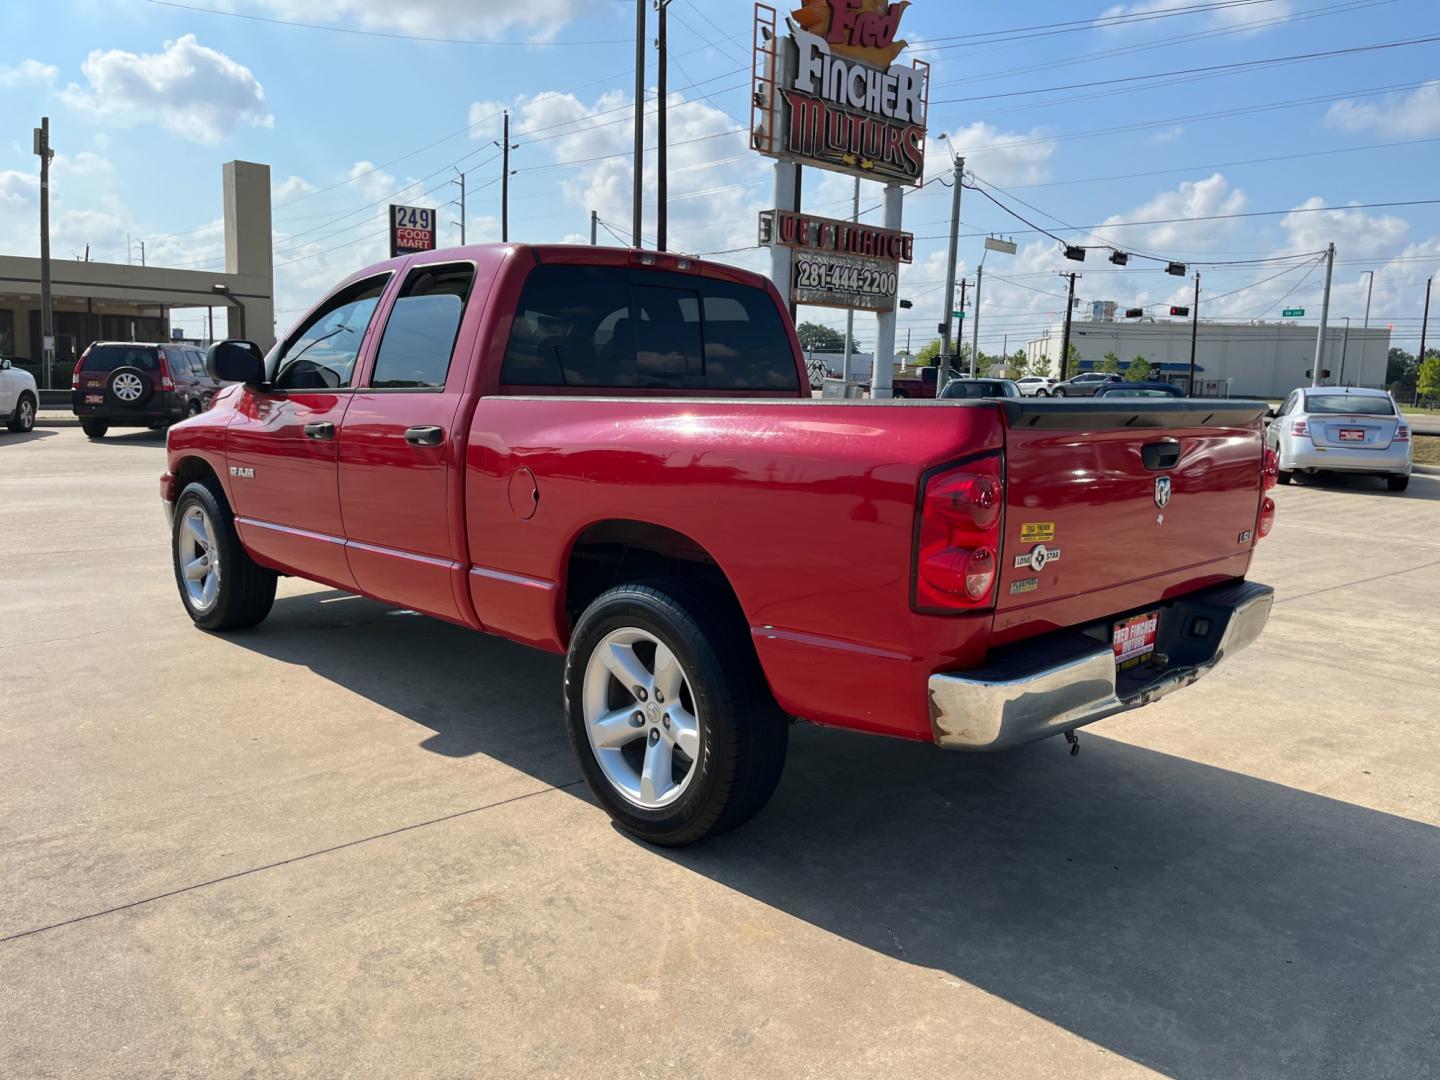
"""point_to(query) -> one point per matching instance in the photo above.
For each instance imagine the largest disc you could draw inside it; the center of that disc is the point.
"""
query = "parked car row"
(139, 384)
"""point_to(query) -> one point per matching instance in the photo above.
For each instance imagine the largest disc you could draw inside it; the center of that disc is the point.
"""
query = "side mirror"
(4, 364)
(236, 361)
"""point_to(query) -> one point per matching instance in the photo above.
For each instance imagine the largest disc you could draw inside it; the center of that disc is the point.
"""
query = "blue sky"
(147, 100)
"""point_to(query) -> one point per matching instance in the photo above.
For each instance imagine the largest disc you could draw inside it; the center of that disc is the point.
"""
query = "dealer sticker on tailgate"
(1135, 638)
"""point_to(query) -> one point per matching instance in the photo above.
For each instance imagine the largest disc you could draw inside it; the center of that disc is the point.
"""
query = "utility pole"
(637, 200)
(959, 174)
(1365, 335)
(47, 307)
(960, 333)
(1194, 335)
(142, 251)
(594, 227)
(505, 149)
(661, 181)
(975, 323)
(1424, 324)
(850, 313)
(1065, 339)
(461, 182)
(1344, 348)
(1324, 318)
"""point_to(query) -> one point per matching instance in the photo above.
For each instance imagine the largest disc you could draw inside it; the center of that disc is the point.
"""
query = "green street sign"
(958, 314)
(1292, 313)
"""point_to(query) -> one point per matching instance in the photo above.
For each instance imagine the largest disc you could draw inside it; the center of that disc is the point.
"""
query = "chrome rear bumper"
(1064, 681)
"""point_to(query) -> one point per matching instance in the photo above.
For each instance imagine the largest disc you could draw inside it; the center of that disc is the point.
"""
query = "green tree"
(1109, 363)
(1139, 370)
(1429, 380)
(929, 353)
(820, 338)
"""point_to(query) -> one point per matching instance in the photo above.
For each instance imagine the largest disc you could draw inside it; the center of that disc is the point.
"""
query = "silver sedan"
(1346, 429)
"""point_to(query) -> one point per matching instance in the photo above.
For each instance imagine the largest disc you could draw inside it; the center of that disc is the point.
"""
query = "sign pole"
(883, 371)
(1194, 334)
(850, 312)
(781, 261)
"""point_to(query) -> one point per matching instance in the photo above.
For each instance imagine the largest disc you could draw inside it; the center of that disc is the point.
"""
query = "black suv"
(134, 384)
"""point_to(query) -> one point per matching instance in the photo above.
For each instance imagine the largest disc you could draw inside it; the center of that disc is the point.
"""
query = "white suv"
(18, 397)
(1036, 385)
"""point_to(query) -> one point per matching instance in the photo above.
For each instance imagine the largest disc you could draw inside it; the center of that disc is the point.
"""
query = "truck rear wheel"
(221, 587)
(668, 714)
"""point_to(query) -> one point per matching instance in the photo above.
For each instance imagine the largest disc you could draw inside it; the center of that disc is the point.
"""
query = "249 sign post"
(412, 229)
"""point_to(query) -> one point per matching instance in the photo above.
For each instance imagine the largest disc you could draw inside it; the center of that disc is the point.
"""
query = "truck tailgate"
(1110, 505)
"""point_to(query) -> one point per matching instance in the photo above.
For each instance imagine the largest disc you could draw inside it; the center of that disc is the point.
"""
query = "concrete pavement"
(352, 842)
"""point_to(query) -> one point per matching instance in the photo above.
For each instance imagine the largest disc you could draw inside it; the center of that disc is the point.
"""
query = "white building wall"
(1258, 360)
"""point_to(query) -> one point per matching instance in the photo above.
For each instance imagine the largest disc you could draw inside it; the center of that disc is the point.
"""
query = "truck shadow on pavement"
(1202, 922)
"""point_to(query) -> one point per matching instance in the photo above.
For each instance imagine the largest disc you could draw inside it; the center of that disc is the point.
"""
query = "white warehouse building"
(1243, 359)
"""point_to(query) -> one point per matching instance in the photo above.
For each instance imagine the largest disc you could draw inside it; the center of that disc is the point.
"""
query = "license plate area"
(94, 399)
(1352, 434)
(1134, 639)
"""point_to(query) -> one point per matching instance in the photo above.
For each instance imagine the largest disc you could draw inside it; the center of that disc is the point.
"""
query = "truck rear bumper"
(1065, 680)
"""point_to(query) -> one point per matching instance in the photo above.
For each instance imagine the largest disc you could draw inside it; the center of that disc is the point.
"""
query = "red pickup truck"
(615, 455)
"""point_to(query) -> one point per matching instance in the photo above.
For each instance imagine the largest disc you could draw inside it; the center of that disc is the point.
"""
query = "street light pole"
(661, 181)
(959, 175)
(1344, 348)
(1324, 318)
(637, 195)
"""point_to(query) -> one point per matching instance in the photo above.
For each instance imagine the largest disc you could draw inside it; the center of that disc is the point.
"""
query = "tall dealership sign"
(830, 94)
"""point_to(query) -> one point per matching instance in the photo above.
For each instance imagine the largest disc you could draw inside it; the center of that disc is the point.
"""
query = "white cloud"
(18, 189)
(1168, 135)
(1355, 233)
(1414, 115)
(190, 89)
(28, 71)
(1178, 207)
(1004, 157)
(541, 19)
(1238, 15)
(485, 119)
(292, 187)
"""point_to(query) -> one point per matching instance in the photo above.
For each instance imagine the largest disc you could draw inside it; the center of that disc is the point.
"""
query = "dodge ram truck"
(614, 455)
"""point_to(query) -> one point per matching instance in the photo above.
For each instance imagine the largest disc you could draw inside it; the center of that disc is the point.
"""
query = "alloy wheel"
(199, 558)
(641, 718)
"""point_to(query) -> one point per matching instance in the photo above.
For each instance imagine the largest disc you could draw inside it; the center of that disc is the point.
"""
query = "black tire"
(1284, 476)
(246, 590)
(146, 387)
(23, 418)
(1042, 392)
(193, 409)
(1397, 482)
(95, 429)
(743, 734)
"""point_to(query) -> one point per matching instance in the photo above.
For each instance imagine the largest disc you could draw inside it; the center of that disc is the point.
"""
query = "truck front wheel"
(669, 716)
(221, 587)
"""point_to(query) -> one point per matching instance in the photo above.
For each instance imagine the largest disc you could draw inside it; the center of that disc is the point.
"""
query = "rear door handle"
(322, 429)
(424, 436)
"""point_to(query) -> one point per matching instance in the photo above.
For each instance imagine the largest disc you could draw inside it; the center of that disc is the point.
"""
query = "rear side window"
(104, 358)
(609, 327)
(1355, 404)
(420, 333)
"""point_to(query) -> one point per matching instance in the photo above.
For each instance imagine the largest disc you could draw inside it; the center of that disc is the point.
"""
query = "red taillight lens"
(1402, 434)
(956, 564)
(165, 381)
(1266, 521)
(1299, 427)
(1271, 469)
(75, 371)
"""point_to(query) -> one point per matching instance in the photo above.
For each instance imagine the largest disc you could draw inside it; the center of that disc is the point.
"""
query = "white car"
(18, 397)
(1036, 385)
(1346, 429)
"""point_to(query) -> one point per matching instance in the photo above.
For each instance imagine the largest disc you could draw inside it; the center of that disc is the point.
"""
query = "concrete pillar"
(882, 373)
(248, 247)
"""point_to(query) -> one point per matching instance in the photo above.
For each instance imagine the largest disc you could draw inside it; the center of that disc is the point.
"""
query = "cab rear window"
(103, 358)
(618, 328)
(1354, 404)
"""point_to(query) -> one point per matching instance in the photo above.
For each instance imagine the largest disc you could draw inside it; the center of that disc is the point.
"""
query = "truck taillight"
(956, 558)
(1299, 427)
(75, 371)
(1402, 434)
(1266, 520)
(1271, 469)
(165, 381)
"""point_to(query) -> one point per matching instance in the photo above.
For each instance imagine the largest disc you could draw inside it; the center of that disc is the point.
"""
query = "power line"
(1235, 67)
(393, 35)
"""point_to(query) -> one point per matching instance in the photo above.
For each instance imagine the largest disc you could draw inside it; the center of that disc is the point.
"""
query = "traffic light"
(1179, 310)
(1134, 312)
(907, 304)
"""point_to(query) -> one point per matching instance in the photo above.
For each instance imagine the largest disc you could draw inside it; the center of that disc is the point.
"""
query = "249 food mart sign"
(831, 95)
(412, 228)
